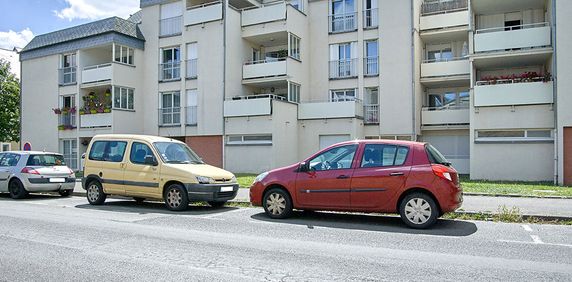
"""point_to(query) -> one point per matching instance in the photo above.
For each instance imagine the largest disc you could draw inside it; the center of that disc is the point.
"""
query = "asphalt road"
(50, 238)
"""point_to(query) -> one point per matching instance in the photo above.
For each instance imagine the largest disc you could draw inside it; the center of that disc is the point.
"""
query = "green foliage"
(10, 104)
(245, 179)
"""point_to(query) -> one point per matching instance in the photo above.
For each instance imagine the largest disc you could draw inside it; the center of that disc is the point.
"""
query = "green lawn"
(245, 179)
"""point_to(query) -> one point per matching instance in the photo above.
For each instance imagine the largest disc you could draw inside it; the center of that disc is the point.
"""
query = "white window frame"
(124, 91)
(237, 140)
(173, 63)
(126, 54)
(71, 158)
(334, 97)
(524, 138)
(294, 46)
(6, 145)
(174, 110)
(294, 92)
(191, 108)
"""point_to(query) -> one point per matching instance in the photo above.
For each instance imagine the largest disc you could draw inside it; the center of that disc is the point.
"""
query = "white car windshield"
(177, 153)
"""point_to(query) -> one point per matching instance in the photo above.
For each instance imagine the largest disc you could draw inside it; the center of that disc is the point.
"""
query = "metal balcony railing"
(203, 5)
(370, 66)
(432, 7)
(343, 68)
(171, 26)
(67, 75)
(370, 18)
(448, 107)
(445, 59)
(258, 96)
(371, 114)
(170, 116)
(67, 120)
(169, 71)
(267, 60)
(191, 115)
(192, 65)
(342, 22)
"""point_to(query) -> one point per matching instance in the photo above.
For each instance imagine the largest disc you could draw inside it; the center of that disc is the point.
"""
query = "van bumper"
(211, 192)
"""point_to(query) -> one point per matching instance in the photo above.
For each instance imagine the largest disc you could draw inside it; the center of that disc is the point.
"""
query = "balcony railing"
(370, 66)
(370, 18)
(371, 114)
(250, 105)
(511, 28)
(445, 115)
(320, 109)
(171, 26)
(192, 68)
(97, 73)
(343, 68)
(440, 7)
(67, 75)
(67, 121)
(170, 116)
(202, 13)
(342, 22)
(191, 115)
(271, 67)
(512, 37)
(169, 71)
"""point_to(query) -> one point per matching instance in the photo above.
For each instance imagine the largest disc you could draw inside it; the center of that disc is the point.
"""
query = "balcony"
(170, 117)
(252, 105)
(98, 73)
(269, 13)
(513, 37)
(171, 26)
(436, 7)
(265, 68)
(448, 67)
(346, 68)
(207, 12)
(67, 76)
(370, 18)
(95, 120)
(371, 114)
(273, 19)
(192, 71)
(445, 115)
(67, 119)
(509, 92)
(323, 110)
(371, 66)
(342, 22)
(170, 71)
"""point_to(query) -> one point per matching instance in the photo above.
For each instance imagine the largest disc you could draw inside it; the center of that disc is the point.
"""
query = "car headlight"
(204, 179)
(233, 179)
(260, 177)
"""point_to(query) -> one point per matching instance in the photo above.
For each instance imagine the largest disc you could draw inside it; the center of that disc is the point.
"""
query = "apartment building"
(255, 85)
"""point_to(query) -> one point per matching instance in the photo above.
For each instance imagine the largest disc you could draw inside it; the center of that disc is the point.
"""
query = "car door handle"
(396, 174)
(343, 177)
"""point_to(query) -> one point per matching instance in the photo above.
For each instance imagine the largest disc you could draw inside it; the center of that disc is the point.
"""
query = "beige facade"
(277, 81)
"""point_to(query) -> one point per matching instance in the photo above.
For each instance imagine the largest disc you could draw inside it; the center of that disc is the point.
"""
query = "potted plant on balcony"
(65, 110)
(57, 111)
(61, 127)
(72, 110)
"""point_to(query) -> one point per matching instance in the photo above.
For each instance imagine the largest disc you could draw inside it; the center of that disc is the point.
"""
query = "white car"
(22, 172)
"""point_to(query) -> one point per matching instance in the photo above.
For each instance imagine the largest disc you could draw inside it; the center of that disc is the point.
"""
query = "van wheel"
(95, 195)
(65, 193)
(418, 210)
(138, 200)
(17, 190)
(216, 204)
(277, 203)
(176, 198)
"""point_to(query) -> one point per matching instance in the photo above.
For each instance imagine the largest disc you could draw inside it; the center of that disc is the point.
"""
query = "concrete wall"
(309, 132)
(564, 83)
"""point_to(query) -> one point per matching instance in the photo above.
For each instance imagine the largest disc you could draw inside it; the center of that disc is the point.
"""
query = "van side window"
(382, 155)
(109, 151)
(138, 153)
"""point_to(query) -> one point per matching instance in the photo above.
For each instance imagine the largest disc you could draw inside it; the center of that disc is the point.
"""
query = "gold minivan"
(151, 167)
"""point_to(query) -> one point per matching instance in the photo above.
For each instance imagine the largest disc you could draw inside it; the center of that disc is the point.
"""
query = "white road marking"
(527, 228)
(211, 216)
(534, 243)
(536, 239)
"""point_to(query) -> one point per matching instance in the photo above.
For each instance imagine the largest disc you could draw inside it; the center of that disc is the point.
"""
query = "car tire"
(139, 200)
(418, 210)
(17, 190)
(95, 194)
(65, 193)
(277, 203)
(176, 198)
(217, 204)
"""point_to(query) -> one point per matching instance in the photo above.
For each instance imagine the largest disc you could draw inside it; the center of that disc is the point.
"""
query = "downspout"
(224, 12)
(20, 102)
(413, 106)
(554, 90)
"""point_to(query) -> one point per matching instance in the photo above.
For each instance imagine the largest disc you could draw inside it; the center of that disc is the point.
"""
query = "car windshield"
(177, 153)
(46, 160)
(435, 157)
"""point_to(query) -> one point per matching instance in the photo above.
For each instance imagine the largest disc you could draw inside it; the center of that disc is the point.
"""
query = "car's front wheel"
(17, 190)
(176, 198)
(95, 194)
(418, 210)
(277, 203)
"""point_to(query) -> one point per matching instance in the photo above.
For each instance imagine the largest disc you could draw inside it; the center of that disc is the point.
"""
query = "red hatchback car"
(386, 176)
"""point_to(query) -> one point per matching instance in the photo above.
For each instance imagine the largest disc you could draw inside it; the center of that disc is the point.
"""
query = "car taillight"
(29, 170)
(442, 171)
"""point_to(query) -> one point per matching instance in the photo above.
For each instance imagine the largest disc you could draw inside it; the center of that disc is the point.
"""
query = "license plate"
(226, 189)
(57, 180)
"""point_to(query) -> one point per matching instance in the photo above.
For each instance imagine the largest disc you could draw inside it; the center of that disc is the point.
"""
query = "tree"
(9, 104)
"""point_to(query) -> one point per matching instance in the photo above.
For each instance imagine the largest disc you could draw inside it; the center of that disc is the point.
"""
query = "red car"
(384, 176)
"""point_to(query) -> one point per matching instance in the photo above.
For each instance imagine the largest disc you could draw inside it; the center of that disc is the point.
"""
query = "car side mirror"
(83, 156)
(150, 160)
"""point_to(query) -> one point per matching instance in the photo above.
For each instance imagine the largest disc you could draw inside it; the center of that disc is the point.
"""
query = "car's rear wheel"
(277, 203)
(17, 190)
(418, 210)
(66, 193)
(176, 198)
(217, 204)
(95, 194)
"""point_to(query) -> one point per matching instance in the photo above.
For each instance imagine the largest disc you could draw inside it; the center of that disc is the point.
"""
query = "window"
(192, 106)
(293, 92)
(370, 18)
(371, 105)
(435, 157)
(342, 16)
(335, 158)
(139, 152)
(171, 19)
(170, 112)
(371, 58)
(8, 159)
(448, 98)
(192, 60)
(69, 150)
(123, 54)
(343, 60)
(514, 135)
(6, 147)
(294, 50)
(68, 69)
(123, 98)
(109, 151)
(439, 53)
(68, 111)
(170, 68)
(46, 160)
(343, 95)
(298, 4)
(172, 152)
(380, 155)
(263, 139)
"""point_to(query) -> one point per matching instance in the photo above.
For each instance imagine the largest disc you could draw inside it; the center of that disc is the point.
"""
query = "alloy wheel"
(417, 211)
(276, 203)
(93, 192)
(174, 198)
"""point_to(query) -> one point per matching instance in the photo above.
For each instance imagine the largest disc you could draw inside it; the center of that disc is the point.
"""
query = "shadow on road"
(382, 223)
(128, 206)
(32, 197)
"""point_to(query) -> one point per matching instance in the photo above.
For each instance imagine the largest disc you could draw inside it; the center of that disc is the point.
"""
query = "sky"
(21, 20)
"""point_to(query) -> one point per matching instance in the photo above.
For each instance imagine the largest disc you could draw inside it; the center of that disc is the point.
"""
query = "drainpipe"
(413, 106)
(554, 90)
(224, 12)
(20, 102)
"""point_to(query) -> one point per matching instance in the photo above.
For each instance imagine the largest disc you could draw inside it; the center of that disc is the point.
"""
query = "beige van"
(150, 167)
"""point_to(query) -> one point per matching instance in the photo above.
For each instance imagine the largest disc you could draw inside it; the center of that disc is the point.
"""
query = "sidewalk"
(539, 207)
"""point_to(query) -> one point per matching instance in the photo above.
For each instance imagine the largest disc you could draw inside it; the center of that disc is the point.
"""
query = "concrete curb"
(515, 196)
